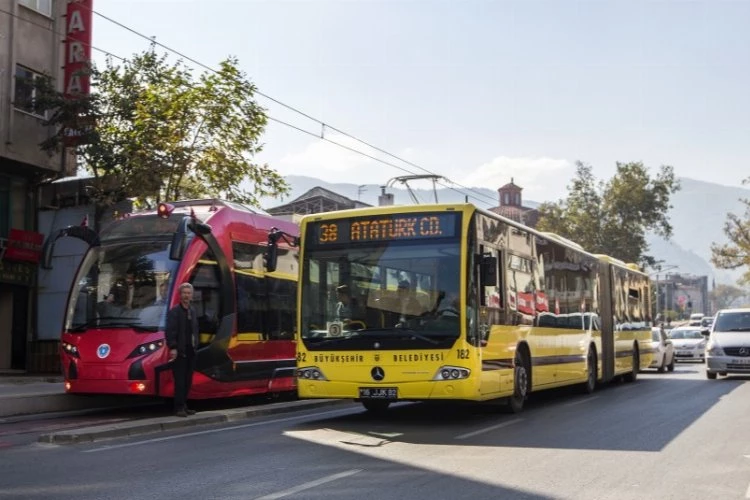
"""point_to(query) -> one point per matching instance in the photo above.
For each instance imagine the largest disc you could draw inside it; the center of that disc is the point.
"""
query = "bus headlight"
(310, 373)
(146, 348)
(451, 373)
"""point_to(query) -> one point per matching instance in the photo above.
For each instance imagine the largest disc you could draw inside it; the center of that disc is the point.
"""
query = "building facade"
(682, 295)
(511, 205)
(316, 200)
(30, 47)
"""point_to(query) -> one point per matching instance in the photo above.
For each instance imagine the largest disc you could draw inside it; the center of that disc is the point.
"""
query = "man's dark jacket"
(179, 328)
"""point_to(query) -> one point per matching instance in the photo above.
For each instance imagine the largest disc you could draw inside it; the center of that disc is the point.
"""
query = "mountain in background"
(698, 214)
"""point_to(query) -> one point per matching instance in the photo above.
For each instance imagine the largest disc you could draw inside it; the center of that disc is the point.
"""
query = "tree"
(151, 131)
(735, 254)
(725, 296)
(613, 217)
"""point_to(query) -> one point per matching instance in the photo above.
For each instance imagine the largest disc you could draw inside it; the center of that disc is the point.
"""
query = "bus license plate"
(378, 392)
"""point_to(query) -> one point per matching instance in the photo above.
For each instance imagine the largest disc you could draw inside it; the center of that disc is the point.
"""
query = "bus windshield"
(385, 292)
(122, 285)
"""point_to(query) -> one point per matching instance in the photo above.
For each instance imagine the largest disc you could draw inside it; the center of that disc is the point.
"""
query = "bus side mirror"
(271, 256)
(705, 332)
(488, 270)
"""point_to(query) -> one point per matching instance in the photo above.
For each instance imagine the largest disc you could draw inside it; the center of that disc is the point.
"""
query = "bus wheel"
(591, 372)
(520, 384)
(375, 406)
(633, 375)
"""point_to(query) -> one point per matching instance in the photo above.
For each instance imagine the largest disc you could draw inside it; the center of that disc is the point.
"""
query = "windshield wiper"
(409, 332)
(386, 333)
(735, 330)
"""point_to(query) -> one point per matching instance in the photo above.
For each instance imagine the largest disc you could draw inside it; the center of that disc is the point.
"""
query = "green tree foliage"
(613, 217)
(152, 131)
(725, 296)
(736, 253)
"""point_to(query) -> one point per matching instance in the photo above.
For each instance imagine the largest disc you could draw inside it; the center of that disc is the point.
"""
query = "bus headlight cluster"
(311, 373)
(451, 373)
(147, 348)
(70, 349)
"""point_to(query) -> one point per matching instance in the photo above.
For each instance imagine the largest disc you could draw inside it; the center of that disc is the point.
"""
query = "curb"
(163, 424)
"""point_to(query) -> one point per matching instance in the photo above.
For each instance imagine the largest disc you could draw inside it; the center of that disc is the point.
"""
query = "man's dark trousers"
(183, 368)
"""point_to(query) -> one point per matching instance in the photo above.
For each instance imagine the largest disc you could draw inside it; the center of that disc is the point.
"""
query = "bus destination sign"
(384, 228)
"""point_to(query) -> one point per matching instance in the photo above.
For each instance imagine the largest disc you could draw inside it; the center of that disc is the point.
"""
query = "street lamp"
(659, 269)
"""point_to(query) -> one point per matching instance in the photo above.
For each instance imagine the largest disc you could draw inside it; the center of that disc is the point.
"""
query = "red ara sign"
(77, 48)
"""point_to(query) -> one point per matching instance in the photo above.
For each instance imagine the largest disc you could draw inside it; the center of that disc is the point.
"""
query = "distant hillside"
(698, 215)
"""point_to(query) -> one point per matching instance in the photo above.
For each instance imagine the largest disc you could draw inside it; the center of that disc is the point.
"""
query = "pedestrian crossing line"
(309, 485)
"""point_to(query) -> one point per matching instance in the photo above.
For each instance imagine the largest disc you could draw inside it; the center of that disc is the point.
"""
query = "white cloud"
(332, 163)
(542, 179)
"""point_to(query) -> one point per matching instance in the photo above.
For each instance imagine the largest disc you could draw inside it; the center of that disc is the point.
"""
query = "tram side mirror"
(488, 270)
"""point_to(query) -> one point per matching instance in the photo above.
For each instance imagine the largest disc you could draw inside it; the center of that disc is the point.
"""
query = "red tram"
(113, 338)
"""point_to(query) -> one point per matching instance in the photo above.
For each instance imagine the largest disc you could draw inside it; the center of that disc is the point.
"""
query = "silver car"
(728, 348)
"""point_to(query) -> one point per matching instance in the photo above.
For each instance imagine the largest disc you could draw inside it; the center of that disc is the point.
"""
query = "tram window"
(280, 318)
(251, 303)
(206, 295)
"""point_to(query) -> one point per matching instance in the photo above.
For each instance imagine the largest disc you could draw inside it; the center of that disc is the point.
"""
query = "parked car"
(689, 343)
(728, 348)
(663, 350)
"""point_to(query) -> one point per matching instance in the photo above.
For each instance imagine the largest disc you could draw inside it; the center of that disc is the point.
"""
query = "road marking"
(580, 401)
(489, 429)
(747, 493)
(212, 431)
(311, 484)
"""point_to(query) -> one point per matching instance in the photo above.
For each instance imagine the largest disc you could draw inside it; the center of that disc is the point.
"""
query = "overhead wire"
(323, 124)
(477, 195)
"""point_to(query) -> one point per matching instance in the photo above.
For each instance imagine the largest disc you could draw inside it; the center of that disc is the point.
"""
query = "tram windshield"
(122, 285)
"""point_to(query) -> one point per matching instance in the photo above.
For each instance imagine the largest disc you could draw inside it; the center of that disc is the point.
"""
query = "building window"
(41, 6)
(25, 89)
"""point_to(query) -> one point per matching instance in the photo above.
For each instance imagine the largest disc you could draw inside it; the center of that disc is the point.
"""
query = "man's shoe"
(189, 411)
(181, 413)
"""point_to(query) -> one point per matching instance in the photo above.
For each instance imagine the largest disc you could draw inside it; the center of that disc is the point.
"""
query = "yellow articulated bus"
(452, 302)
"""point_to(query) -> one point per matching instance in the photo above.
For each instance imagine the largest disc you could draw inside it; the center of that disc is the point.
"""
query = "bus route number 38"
(329, 233)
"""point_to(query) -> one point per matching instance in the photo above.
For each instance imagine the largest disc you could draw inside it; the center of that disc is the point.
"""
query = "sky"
(477, 91)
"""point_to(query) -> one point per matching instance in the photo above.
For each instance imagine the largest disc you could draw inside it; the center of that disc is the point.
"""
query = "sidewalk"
(28, 394)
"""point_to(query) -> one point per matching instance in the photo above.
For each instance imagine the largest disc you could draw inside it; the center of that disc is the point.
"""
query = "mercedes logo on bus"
(743, 351)
(377, 374)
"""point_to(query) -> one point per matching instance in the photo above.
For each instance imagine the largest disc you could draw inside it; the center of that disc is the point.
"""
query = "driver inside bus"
(346, 308)
(409, 306)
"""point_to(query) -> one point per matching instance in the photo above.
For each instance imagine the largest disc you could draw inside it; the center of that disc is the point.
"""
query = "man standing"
(182, 337)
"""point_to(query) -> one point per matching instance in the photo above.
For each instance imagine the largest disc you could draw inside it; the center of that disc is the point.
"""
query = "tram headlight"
(311, 373)
(452, 373)
(71, 349)
(146, 348)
